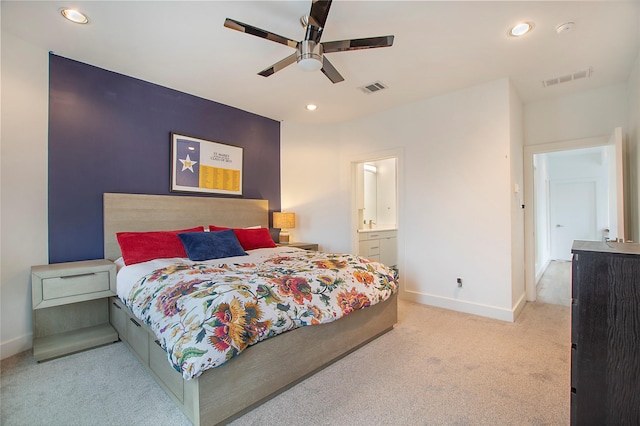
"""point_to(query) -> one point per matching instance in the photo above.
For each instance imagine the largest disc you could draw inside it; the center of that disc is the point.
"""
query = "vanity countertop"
(377, 229)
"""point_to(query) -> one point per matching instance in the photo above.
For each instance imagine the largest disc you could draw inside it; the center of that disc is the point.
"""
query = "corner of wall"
(518, 307)
(24, 219)
(516, 136)
(16, 345)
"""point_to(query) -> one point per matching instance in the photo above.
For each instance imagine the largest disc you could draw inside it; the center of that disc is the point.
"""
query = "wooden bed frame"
(222, 394)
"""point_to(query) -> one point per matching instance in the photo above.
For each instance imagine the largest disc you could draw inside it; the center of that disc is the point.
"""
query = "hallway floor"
(555, 285)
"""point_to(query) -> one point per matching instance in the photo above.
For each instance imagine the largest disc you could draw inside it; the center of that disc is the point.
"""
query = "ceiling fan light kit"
(309, 56)
(310, 52)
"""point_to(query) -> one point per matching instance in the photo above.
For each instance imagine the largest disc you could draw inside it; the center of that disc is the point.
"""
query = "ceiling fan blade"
(357, 44)
(278, 65)
(249, 29)
(319, 12)
(314, 23)
(330, 71)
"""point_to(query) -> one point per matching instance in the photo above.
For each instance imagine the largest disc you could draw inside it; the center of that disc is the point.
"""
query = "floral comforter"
(204, 314)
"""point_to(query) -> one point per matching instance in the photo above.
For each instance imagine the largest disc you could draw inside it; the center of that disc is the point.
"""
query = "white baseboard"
(16, 345)
(517, 309)
(494, 312)
(540, 272)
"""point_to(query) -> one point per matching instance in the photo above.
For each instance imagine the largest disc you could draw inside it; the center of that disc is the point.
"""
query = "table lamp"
(284, 221)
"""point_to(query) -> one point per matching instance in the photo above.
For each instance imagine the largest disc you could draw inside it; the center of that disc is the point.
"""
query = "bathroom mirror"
(377, 194)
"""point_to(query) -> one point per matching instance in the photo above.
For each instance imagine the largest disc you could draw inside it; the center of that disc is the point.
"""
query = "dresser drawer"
(138, 339)
(160, 365)
(118, 318)
(71, 285)
(575, 321)
(574, 365)
(373, 247)
(376, 235)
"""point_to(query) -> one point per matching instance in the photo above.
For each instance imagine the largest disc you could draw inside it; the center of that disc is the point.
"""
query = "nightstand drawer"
(71, 282)
(71, 285)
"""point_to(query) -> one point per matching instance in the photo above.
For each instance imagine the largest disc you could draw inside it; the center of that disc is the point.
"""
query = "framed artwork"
(199, 165)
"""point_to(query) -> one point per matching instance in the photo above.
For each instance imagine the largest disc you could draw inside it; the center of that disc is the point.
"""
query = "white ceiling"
(440, 46)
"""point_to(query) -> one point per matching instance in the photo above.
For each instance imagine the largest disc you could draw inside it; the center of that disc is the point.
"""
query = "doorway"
(377, 207)
(572, 188)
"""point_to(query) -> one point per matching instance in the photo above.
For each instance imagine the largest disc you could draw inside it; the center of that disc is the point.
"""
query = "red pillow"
(139, 247)
(253, 238)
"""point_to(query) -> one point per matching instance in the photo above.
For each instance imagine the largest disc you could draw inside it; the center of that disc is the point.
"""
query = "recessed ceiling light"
(520, 29)
(311, 107)
(74, 16)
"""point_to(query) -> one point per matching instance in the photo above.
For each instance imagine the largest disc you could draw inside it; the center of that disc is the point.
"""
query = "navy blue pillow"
(211, 245)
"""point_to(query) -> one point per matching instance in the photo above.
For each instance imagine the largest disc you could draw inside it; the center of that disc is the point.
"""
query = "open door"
(537, 227)
(618, 155)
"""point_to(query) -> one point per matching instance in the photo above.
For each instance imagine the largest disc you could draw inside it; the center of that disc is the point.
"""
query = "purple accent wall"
(112, 133)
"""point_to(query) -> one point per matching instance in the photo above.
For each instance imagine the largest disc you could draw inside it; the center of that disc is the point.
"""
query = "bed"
(219, 395)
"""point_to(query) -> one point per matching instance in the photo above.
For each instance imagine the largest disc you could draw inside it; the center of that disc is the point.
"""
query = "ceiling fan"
(310, 52)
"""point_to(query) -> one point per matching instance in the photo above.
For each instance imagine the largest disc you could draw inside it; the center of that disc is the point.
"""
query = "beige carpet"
(437, 367)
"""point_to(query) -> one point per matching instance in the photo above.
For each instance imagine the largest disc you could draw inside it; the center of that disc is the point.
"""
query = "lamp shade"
(284, 220)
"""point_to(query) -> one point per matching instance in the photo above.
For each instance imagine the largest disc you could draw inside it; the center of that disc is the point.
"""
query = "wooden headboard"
(139, 212)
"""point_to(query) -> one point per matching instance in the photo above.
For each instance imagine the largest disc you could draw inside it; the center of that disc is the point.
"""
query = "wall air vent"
(373, 87)
(567, 77)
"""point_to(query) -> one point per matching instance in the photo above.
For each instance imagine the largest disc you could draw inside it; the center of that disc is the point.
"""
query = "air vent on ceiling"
(373, 87)
(567, 77)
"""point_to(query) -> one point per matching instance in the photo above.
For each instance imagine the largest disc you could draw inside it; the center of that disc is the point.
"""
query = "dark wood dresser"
(605, 334)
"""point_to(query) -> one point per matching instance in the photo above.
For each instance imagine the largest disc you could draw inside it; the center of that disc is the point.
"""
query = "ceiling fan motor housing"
(309, 55)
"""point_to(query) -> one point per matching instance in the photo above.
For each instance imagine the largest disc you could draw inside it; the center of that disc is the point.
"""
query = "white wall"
(456, 200)
(581, 115)
(310, 176)
(634, 145)
(633, 139)
(518, 295)
(23, 183)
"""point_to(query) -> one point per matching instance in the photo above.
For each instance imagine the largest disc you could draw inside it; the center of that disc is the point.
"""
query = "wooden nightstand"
(71, 307)
(304, 246)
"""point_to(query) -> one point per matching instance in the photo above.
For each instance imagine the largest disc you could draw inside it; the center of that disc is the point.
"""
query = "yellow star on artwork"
(188, 164)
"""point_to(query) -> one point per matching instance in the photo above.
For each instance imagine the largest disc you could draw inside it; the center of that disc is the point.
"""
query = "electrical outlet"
(459, 281)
